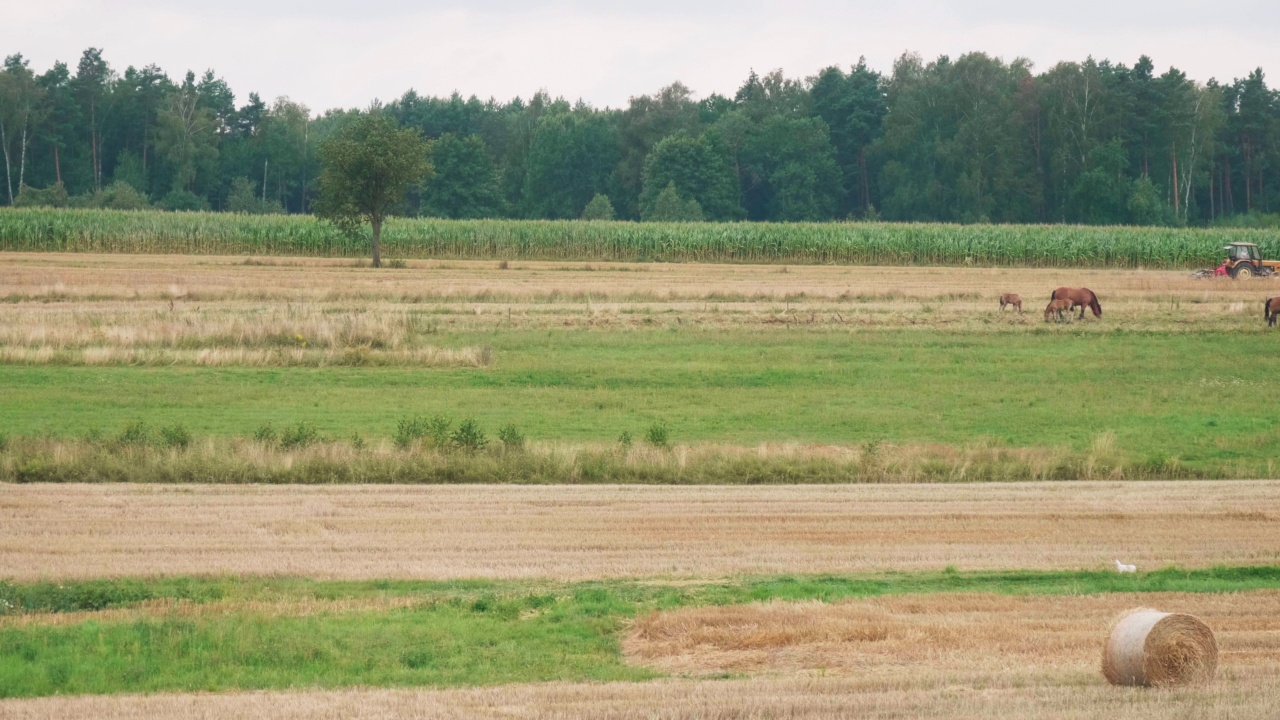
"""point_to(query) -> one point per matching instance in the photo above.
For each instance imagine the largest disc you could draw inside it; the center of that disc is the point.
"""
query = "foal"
(1013, 299)
(1270, 310)
(1059, 306)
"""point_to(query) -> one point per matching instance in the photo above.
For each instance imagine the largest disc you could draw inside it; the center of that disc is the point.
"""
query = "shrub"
(469, 436)
(299, 436)
(134, 433)
(53, 196)
(625, 440)
(510, 437)
(409, 429)
(438, 430)
(657, 435)
(266, 434)
(600, 208)
(397, 264)
(183, 200)
(175, 436)
(357, 442)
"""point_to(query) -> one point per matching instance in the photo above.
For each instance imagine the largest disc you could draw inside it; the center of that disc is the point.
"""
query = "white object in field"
(1152, 648)
(1121, 567)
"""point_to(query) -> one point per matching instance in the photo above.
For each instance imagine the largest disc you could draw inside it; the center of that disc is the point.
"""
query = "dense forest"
(974, 139)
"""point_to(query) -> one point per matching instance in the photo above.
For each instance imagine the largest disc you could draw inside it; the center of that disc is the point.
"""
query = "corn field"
(111, 231)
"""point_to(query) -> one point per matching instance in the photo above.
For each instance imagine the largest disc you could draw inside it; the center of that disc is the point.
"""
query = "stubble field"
(951, 598)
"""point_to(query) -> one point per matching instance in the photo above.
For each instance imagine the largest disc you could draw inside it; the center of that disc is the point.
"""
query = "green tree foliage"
(53, 196)
(186, 134)
(244, 198)
(969, 139)
(21, 112)
(853, 107)
(572, 157)
(700, 167)
(600, 208)
(465, 183)
(366, 168)
(669, 206)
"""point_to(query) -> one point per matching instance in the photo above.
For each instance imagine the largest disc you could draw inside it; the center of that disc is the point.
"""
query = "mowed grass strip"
(475, 633)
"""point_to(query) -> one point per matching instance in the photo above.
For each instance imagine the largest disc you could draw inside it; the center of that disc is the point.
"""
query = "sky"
(331, 53)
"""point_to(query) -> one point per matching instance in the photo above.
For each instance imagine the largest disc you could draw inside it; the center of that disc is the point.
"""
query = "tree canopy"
(365, 169)
(974, 138)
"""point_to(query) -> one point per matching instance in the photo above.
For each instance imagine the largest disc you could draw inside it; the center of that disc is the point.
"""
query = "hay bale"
(1152, 648)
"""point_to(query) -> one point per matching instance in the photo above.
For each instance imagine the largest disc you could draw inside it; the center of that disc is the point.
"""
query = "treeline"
(969, 140)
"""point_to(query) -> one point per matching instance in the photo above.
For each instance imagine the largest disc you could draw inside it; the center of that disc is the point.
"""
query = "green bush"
(266, 434)
(134, 433)
(175, 436)
(657, 435)
(183, 200)
(410, 429)
(299, 436)
(469, 437)
(510, 437)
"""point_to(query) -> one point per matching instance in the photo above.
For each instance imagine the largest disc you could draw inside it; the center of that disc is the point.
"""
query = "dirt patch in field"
(936, 633)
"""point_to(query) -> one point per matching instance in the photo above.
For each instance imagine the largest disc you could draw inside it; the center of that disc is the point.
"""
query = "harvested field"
(142, 300)
(564, 532)
(983, 694)
(939, 633)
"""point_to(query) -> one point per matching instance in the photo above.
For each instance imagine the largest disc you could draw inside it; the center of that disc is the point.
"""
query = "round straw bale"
(1152, 648)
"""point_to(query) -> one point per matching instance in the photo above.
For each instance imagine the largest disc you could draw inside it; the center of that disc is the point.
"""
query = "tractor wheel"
(1242, 272)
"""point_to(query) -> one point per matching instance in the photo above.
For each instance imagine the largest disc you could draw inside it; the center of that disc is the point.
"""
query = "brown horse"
(1057, 306)
(1013, 299)
(1079, 297)
(1270, 310)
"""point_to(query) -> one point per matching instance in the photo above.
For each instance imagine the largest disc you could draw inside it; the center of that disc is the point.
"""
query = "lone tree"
(366, 167)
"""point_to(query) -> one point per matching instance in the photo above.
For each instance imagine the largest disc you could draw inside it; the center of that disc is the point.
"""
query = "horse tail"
(1053, 296)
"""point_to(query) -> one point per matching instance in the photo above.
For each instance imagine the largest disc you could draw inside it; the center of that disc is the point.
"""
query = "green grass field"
(446, 634)
(1197, 398)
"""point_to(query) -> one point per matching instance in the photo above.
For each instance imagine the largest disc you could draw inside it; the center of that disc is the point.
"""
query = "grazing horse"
(1060, 306)
(1270, 310)
(1013, 299)
(1079, 297)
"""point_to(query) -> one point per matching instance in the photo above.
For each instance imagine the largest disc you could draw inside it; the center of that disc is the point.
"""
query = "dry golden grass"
(572, 533)
(122, 301)
(939, 633)
(991, 693)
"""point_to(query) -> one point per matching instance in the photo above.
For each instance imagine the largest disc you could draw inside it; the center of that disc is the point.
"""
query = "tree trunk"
(377, 241)
(866, 188)
(1173, 157)
(22, 161)
(1228, 198)
(1213, 209)
(8, 174)
(1248, 184)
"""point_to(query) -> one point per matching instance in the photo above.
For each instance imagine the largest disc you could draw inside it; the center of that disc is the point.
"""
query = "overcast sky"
(329, 53)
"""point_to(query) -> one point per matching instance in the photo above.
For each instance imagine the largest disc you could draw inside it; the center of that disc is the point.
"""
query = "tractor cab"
(1245, 261)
